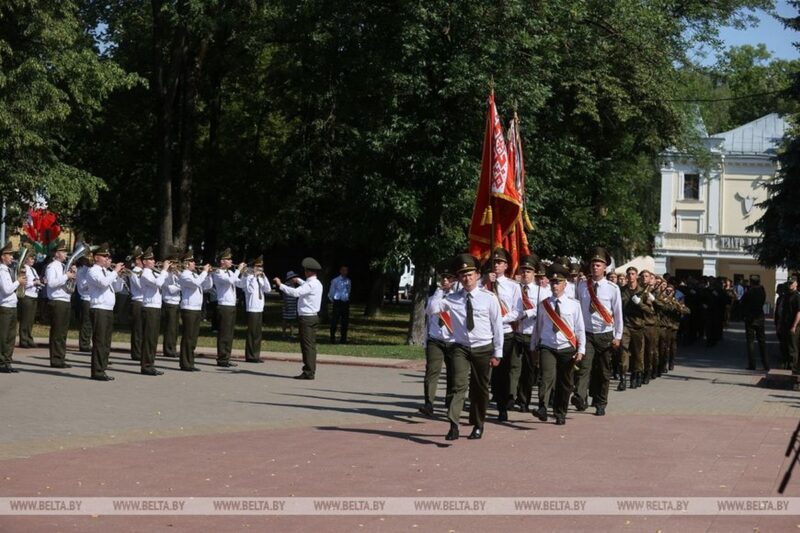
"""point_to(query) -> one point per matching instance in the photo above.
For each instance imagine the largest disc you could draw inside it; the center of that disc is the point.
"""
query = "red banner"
(497, 208)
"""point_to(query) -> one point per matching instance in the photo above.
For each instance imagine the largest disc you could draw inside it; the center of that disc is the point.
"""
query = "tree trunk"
(165, 89)
(375, 299)
(417, 330)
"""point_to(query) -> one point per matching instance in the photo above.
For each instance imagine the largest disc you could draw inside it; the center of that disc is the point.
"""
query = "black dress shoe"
(453, 433)
(227, 364)
(502, 416)
(152, 372)
(560, 421)
(477, 432)
(578, 402)
(541, 414)
(8, 370)
(194, 369)
(103, 377)
(304, 376)
(427, 409)
(253, 361)
(85, 349)
(65, 365)
(623, 384)
(189, 369)
(601, 411)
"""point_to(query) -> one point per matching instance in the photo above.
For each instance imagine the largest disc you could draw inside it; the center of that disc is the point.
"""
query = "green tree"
(52, 83)
(780, 223)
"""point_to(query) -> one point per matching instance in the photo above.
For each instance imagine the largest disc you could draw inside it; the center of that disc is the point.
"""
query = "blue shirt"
(340, 289)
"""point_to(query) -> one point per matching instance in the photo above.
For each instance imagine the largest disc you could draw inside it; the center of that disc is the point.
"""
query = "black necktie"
(594, 287)
(470, 318)
(558, 313)
(258, 280)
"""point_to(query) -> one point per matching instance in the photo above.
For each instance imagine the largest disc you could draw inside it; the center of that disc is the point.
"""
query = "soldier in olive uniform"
(636, 309)
(532, 294)
(8, 308)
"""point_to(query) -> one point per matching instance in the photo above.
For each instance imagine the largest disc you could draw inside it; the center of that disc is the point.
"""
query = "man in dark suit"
(752, 306)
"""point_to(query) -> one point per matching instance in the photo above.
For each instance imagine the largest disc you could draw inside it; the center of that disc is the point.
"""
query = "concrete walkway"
(706, 429)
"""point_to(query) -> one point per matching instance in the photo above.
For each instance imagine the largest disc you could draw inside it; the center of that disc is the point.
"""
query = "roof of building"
(762, 136)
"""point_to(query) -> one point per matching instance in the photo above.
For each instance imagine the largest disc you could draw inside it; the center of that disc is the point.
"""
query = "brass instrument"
(23, 254)
(79, 251)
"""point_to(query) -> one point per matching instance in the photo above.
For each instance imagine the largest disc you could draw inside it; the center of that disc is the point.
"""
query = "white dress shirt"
(609, 295)
(535, 293)
(569, 291)
(171, 290)
(8, 288)
(31, 289)
(82, 283)
(509, 291)
(255, 287)
(56, 278)
(103, 284)
(226, 281)
(192, 287)
(135, 284)
(340, 289)
(488, 324)
(437, 331)
(570, 312)
(308, 294)
(151, 287)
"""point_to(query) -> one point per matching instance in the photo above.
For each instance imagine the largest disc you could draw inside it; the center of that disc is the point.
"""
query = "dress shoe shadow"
(245, 372)
(416, 438)
(53, 372)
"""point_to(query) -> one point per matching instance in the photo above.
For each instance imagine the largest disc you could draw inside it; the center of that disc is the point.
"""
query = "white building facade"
(705, 212)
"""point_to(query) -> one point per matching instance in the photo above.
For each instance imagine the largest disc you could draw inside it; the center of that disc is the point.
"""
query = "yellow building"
(704, 212)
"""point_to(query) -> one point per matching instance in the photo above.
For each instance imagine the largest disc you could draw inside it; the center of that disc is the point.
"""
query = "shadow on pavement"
(413, 437)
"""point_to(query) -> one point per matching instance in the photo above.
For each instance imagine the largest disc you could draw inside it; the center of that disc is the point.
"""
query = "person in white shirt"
(8, 308)
(59, 303)
(151, 283)
(27, 305)
(560, 341)
(532, 294)
(478, 336)
(170, 308)
(226, 280)
(439, 342)
(135, 288)
(339, 295)
(601, 306)
(82, 286)
(192, 287)
(505, 378)
(256, 287)
(309, 299)
(104, 283)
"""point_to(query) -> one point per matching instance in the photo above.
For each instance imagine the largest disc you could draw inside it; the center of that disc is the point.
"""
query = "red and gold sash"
(599, 306)
(526, 302)
(444, 316)
(492, 287)
(559, 323)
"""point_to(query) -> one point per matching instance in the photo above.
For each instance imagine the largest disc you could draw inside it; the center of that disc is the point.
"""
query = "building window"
(690, 225)
(691, 186)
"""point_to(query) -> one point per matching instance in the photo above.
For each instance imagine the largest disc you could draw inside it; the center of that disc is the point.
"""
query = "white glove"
(651, 298)
(636, 299)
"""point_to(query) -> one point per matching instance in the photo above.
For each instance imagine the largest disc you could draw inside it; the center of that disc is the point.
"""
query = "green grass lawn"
(382, 336)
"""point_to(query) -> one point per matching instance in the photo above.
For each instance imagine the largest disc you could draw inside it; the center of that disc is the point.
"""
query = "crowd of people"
(166, 297)
(562, 327)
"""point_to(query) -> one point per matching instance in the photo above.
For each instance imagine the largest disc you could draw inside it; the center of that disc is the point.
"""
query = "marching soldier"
(601, 307)
(309, 299)
(676, 312)
(151, 284)
(59, 303)
(560, 342)
(256, 287)
(135, 287)
(104, 283)
(27, 305)
(532, 294)
(82, 287)
(478, 335)
(192, 286)
(170, 308)
(651, 328)
(225, 282)
(505, 378)
(635, 310)
(8, 308)
(439, 342)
